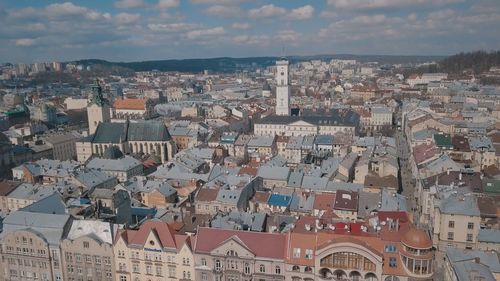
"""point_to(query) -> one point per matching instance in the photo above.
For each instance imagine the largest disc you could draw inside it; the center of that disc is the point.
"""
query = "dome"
(416, 238)
(112, 152)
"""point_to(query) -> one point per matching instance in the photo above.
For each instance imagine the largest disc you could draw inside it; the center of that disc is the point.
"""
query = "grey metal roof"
(460, 205)
(52, 204)
(131, 131)
(229, 196)
(489, 235)
(239, 220)
(274, 173)
(49, 226)
(122, 164)
(461, 257)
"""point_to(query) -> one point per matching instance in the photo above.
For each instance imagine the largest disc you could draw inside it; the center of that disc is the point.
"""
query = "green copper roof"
(97, 97)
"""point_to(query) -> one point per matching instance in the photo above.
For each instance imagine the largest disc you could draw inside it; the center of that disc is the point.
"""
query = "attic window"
(151, 242)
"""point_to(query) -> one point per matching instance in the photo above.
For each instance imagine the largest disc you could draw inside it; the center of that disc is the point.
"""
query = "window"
(217, 265)
(451, 224)
(393, 262)
(171, 272)
(262, 268)
(149, 270)
(278, 270)
(246, 270)
(470, 225)
(390, 248)
(158, 271)
(135, 267)
(469, 237)
(308, 269)
(450, 235)
(204, 261)
(86, 245)
(296, 253)
(295, 268)
(204, 276)
(309, 254)
(123, 278)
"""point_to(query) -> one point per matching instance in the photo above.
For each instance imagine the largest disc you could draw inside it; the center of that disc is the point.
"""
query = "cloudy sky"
(132, 30)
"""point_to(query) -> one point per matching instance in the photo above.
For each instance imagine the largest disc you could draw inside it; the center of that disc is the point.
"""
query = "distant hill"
(476, 62)
(227, 64)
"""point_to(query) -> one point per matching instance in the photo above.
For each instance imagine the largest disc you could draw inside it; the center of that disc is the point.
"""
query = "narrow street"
(407, 179)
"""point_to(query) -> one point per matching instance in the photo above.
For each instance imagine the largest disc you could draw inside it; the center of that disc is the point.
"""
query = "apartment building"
(87, 251)
(154, 251)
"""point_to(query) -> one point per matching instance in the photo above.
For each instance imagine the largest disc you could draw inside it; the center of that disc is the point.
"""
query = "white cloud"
(223, 11)
(173, 27)
(379, 4)
(261, 40)
(241, 25)
(167, 4)
(266, 11)
(288, 35)
(302, 13)
(127, 4)
(126, 18)
(216, 2)
(442, 14)
(25, 42)
(205, 32)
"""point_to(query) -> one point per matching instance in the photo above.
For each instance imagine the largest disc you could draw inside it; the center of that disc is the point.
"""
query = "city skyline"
(134, 30)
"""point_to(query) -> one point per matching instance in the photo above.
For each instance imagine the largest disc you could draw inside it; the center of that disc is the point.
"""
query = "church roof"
(128, 131)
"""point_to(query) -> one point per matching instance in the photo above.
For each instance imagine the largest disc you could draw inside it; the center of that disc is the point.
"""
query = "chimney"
(448, 172)
(460, 176)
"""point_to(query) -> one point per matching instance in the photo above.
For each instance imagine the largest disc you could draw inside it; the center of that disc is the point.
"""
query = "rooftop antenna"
(283, 51)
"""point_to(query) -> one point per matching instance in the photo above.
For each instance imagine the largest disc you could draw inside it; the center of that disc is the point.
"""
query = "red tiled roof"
(163, 231)
(263, 245)
(324, 201)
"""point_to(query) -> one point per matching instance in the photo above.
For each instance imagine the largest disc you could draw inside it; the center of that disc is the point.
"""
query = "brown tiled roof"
(6, 186)
(346, 200)
(487, 207)
(261, 197)
(207, 194)
(460, 143)
(134, 104)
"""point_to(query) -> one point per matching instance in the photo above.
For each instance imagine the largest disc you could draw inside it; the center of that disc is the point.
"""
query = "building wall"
(152, 262)
(26, 255)
(458, 227)
(87, 259)
(97, 114)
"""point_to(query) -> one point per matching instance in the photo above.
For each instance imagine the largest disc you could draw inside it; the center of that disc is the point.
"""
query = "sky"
(135, 30)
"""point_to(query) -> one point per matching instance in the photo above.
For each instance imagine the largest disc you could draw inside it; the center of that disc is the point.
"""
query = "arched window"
(217, 265)
(308, 269)
(262, 268)
(295, 268)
